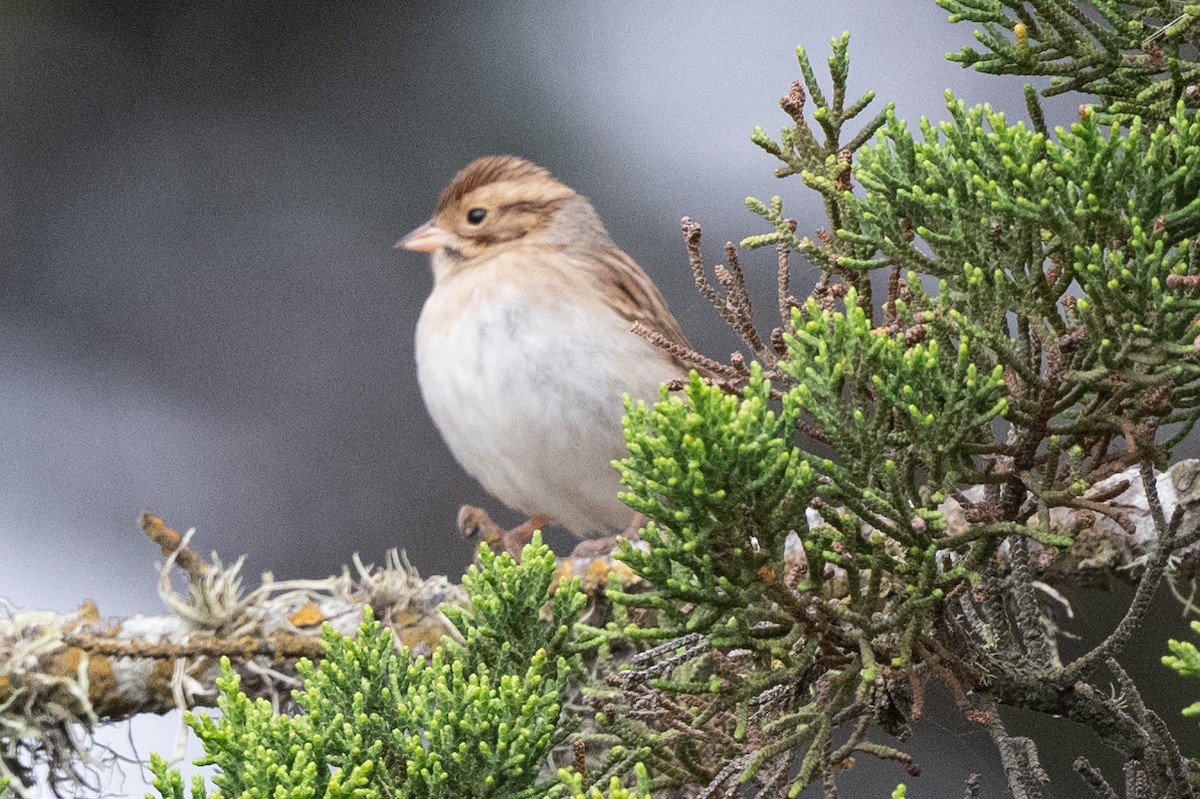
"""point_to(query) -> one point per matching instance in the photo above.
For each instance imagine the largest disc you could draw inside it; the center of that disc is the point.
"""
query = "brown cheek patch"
(516, 220)
(498, 237)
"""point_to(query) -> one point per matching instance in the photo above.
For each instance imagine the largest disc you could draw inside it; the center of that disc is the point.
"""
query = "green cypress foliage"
(1185, 660)
(1137, 56)
(477, 719)
(1039, 334)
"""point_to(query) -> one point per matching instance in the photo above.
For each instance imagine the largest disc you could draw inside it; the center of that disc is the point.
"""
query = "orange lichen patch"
(424, 637)
(403, 617)
(68, 661)
(594, 563)
(596, 575)
(103, 691)
(307, 616)
(89, 613)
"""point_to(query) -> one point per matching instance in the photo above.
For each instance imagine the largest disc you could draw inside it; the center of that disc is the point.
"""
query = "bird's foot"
(475, 522)
(592, 548)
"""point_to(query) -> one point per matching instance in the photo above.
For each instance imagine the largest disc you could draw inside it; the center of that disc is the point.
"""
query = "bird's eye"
(476, 215)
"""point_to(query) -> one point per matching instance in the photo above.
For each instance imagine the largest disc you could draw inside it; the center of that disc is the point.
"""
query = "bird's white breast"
(526, 387)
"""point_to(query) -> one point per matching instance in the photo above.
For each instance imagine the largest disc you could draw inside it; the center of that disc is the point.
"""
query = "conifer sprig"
(477, 719)
(1136, 56)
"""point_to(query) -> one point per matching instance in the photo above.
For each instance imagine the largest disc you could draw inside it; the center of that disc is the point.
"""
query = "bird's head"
(493, 202)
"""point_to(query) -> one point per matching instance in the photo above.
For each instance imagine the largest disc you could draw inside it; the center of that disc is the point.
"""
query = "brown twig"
(702, 363)
(1165, 546)
(171, 543)
(783, 279)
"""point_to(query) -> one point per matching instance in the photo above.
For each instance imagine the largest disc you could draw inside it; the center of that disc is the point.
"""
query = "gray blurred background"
(201, 312)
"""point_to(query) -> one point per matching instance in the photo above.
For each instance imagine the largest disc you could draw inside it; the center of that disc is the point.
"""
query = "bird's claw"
(475, 522)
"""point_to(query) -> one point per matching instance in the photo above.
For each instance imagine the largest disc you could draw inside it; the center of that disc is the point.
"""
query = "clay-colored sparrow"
(524, 346)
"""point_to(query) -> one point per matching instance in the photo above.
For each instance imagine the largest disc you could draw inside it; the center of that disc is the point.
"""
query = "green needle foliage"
(1081, 240)
(1185, 661)
(721, 486)
(866, 504)
(743, 626)
(477, 719)
(1137, 56)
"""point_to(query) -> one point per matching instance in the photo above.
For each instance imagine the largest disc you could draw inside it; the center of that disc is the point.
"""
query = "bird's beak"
(427, 238)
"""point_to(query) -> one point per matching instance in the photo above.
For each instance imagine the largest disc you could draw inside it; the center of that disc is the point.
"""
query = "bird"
(525, 346)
